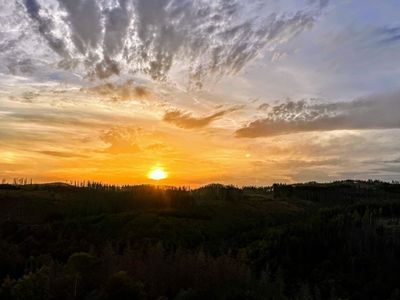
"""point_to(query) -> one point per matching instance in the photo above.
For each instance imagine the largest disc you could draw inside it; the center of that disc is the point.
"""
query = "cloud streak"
(187, 121)
(389, 34)
(62, 154)
(374, 112)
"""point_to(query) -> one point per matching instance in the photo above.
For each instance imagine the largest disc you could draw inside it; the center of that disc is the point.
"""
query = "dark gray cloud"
(187, 121)
(374, 112)
(389, 34)
(393, 161)
(395, 169)
(210, 37)
(264, 107)
(120, 92)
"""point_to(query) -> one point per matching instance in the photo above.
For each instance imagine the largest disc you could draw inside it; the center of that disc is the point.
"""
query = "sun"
(157, 173)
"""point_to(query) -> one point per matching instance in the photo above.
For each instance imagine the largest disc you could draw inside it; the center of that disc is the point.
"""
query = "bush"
(120, 286)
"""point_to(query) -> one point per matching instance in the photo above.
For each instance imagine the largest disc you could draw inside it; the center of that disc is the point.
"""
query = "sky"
(243, 92)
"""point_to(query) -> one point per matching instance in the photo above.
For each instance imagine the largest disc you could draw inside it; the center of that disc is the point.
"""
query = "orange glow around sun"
(157, 174)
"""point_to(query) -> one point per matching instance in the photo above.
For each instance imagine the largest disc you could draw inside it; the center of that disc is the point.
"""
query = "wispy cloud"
(187, 121)
(121, 140)
(389, 34)
(62, 154)
(393, 161)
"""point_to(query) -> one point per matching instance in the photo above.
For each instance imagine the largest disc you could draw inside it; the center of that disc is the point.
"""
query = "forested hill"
(305, 241)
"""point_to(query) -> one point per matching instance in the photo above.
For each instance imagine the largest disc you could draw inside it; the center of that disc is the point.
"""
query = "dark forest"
(306, 241)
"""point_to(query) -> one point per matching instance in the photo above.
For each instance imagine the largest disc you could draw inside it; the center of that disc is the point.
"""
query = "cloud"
(29, 96)
(187, 121)
(157, 147)
(84, 19)
(62, 154)
(374, 112)
(263, 107)
(123, 92)
(45, 27)
(389, 35)
(321, 3)
(393, 161)
(18, 37)
(111, 37)
(121, 140)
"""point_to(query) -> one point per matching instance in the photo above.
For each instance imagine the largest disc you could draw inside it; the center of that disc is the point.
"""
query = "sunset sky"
(244, 92)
